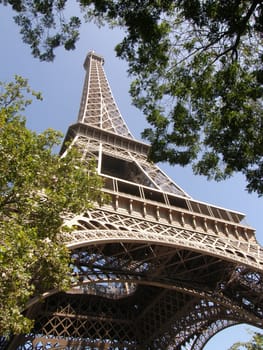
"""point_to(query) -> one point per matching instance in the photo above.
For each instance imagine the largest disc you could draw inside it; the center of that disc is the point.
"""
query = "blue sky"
(61, 85)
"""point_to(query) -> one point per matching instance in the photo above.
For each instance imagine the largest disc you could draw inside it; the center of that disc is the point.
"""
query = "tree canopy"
(37, 189)
(256, 343)
(197, 69)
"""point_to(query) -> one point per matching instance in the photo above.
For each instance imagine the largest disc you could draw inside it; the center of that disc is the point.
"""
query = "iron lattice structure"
(156, 269)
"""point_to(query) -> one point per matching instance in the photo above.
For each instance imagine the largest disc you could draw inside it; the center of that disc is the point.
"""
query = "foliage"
(37, 188)
(256, 343)
(198, 76)
(38, 20)
(198, 79)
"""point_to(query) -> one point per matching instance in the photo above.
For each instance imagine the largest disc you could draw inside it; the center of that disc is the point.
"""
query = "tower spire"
(100, 119)
(98, 107)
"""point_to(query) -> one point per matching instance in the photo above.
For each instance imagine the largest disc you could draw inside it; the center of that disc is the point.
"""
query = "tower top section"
(98, 107)
(92, 56)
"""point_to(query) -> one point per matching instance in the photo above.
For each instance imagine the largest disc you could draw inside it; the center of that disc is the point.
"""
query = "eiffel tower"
(156, 268)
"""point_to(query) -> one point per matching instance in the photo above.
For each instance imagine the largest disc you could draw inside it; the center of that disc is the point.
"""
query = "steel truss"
(153, 268)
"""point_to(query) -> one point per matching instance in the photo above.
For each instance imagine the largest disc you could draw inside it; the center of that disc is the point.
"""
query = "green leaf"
(37, 188)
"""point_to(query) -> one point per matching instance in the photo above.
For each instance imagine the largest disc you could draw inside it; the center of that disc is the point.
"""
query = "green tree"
(256, 343)
(197, 68)
(37, 189)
